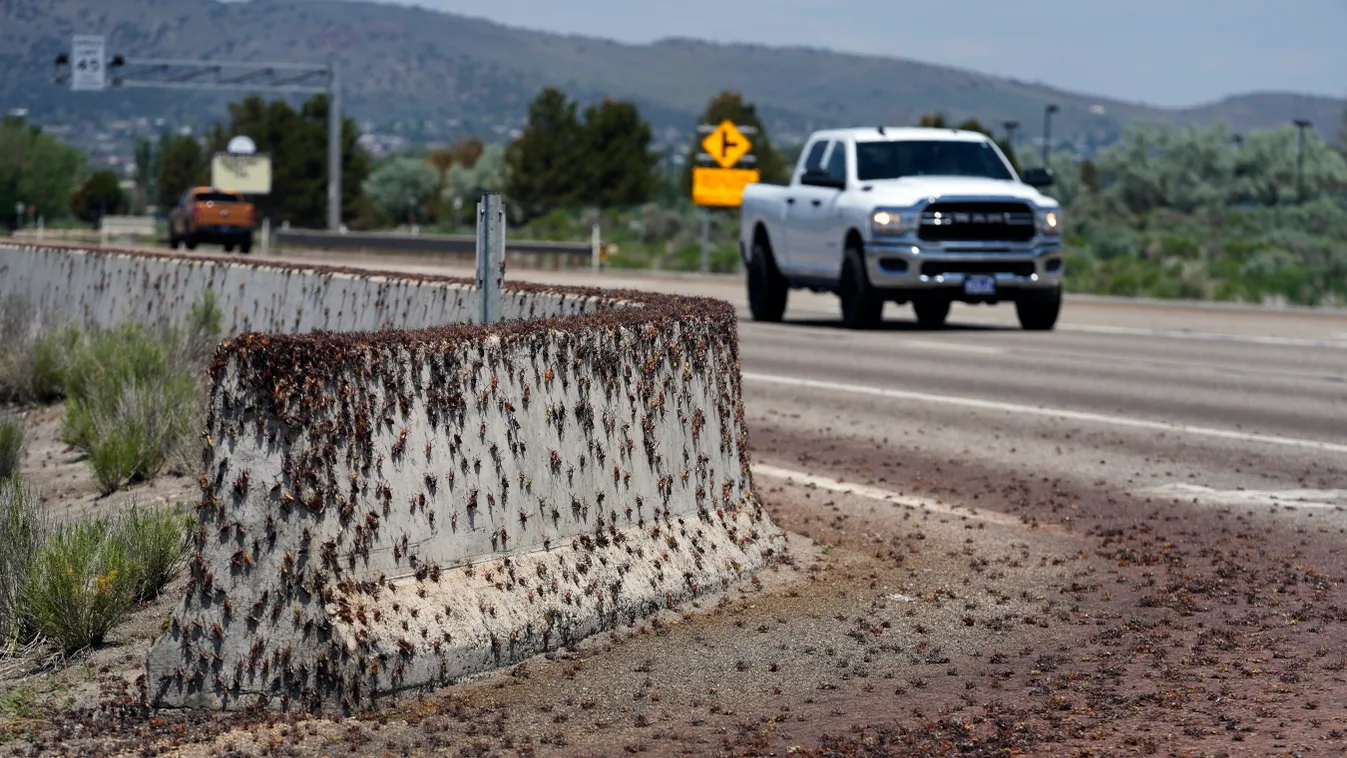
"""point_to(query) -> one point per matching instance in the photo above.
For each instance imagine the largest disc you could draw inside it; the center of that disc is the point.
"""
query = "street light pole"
(1302, 125)
(1010, 127)
(333, 148)
(1047, 130)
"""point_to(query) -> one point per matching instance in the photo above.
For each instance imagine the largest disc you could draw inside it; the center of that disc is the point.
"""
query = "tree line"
(602, 155)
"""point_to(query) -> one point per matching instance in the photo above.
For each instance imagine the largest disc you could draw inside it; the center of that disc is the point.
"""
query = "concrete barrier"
(389, 512)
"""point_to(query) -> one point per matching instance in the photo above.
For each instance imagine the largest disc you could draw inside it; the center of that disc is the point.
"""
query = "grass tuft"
(23, 529)
(157, 538)
(11, 446)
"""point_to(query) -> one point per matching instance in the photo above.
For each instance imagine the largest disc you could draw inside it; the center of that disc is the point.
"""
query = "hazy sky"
(1165, 52)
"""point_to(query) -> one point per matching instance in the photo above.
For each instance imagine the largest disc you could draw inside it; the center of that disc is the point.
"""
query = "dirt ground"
(1041, 617)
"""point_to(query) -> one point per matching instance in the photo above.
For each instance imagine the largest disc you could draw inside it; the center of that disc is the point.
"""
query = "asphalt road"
(1225, 405)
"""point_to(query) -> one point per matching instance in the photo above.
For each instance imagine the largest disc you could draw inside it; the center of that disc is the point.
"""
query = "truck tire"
(246, 246)
(190, 242)
(862, 307)
(931, 312)
(767, 288)
(1038, 311)
(228, 247)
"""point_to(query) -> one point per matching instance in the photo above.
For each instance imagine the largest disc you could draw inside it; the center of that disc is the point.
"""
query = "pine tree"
(182, 165)
(297, 144)
(100, 195)
(618, 164)
(544, 165)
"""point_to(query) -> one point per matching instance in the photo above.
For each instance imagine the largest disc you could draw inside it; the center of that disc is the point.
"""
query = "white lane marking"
(875, 493)
(1179, 334)
(955, 347)
(1302, 498)
(996, 405)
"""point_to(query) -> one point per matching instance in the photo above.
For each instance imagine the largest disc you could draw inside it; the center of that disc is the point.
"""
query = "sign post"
(88, 63)
(722, 185)
(490, 256)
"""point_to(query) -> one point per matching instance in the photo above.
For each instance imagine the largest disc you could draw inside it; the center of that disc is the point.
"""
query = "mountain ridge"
(414, 64)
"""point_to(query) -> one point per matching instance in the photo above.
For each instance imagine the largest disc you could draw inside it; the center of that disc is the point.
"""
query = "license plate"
(979, 285)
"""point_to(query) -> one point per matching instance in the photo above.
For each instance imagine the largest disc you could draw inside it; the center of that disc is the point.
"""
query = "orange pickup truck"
(212, 216)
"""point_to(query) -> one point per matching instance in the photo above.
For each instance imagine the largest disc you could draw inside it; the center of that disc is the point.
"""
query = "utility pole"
(1047, 131)
(1301, 125)
(333, 147)
(213, 76)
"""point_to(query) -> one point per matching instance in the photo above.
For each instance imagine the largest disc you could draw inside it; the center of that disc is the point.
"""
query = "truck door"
(795, 252)
(822, 231)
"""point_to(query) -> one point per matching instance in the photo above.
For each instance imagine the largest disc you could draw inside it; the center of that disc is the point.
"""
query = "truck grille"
(940, 268)
(977, 222)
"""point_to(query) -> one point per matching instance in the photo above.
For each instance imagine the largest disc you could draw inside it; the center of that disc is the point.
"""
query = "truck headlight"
(1050, 222)
(887, 222)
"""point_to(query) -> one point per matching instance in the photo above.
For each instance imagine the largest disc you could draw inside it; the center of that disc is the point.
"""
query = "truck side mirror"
(1037, 177)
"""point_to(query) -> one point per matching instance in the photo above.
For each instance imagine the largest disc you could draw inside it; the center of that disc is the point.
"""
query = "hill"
(414, 65)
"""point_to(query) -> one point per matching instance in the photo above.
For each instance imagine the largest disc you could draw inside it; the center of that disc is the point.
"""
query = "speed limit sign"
(88, 62)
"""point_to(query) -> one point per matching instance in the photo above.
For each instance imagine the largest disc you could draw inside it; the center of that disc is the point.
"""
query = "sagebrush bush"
(84, 577)
(11, 446)
(22, 531)
(131, 435)
(80, 583)
(156, 538)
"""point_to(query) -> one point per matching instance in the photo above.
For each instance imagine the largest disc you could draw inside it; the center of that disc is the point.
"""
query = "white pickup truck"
(920, 215)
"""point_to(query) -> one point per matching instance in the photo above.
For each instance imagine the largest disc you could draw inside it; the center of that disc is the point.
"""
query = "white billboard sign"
(249, 174)
(88, 62)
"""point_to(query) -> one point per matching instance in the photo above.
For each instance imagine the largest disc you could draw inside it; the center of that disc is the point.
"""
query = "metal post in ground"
(266, 235)
(594, 243)
(706, 241)
(490, 256)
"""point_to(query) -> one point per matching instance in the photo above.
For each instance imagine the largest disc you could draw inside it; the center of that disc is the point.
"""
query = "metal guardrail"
(419, 243)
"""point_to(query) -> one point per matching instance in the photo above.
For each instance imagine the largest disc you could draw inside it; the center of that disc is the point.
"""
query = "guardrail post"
(490, 256)
(266, 235)
(594, 243)
(706, 241)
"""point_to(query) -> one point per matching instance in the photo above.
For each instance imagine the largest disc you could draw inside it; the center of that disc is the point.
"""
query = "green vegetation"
(100, 195)
(73, 582)
(133, 395)
(36, 170)
(1195, 214)
(22, 526)
(86, 576)
(11, 446)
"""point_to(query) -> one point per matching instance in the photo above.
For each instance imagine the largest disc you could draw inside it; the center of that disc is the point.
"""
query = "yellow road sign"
(726, 144)
(721, 186)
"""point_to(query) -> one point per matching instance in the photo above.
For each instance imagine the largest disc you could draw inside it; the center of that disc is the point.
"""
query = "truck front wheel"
(767, 288)
(862, 308)
(1038, 311)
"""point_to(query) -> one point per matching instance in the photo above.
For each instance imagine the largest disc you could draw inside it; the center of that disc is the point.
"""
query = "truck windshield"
(218, 197)
(894, 160)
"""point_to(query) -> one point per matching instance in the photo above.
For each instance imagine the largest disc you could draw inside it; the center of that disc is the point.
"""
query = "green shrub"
(22, 531)
(156, 538)
(81, 582)
(11, 446)
(131, 435)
